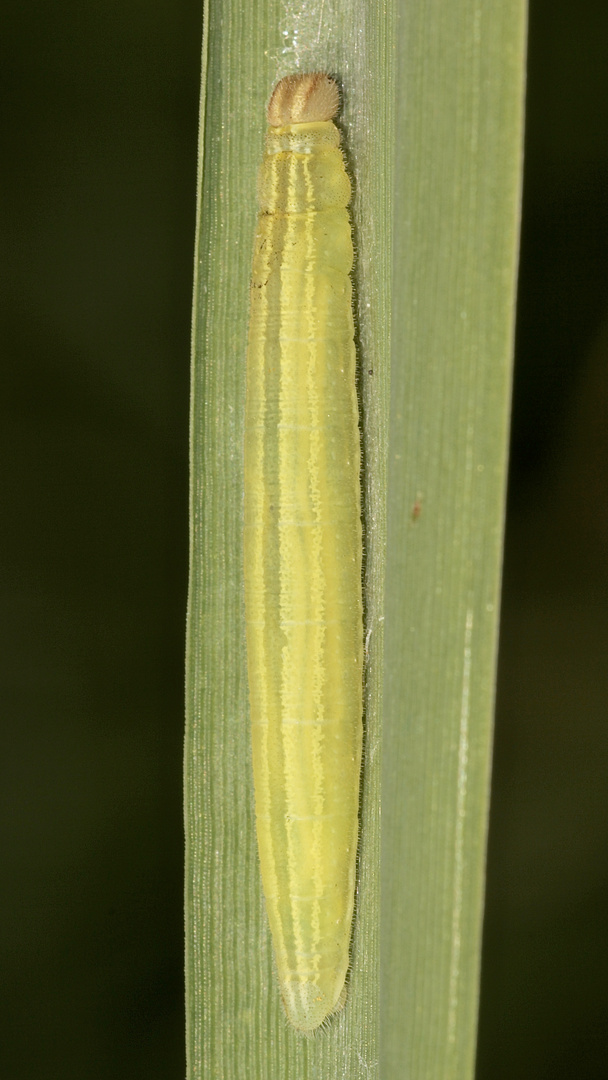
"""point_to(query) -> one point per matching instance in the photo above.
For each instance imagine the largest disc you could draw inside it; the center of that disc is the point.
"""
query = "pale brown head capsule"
(303, 99)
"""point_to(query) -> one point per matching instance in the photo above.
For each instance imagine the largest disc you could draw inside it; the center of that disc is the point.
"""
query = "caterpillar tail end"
(308, 1007)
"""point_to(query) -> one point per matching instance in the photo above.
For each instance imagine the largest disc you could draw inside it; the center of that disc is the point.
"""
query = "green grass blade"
(459, 123)
(236, 1027)
(443, 362)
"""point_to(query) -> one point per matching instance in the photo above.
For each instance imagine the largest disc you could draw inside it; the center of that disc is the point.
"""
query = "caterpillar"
(303, 548)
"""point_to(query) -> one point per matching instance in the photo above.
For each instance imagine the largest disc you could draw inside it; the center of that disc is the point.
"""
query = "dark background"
(544, 995)
(100, 123)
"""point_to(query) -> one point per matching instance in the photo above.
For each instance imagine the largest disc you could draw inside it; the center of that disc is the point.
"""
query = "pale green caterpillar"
(303, 548)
